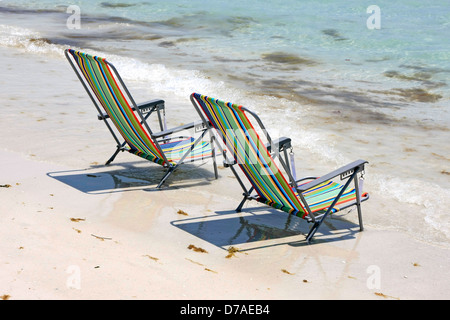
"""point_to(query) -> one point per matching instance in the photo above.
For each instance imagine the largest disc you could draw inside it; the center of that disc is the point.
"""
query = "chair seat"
(322, 196)
(174, 150)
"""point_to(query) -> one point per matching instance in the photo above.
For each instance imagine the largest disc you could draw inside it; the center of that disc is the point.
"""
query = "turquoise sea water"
(271, 46)
(412, 34)
(312, 69)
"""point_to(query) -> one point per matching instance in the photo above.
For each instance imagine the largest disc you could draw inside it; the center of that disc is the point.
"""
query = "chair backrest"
(250, 153)
(105, 87)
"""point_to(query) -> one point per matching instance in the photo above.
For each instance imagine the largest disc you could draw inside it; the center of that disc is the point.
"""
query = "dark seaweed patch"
(169, 44)
(16, 10)
(240, 23)
(423, 75)
(417, 94)
(40, 41)
(241, 20)
(172, 22)
(381, 59)
(417, 76)
(180, 40)
(334, 34)
(287, 58)
(56, 41)
(116, 5)
(433, 70)
(412, 94)
(166, 44)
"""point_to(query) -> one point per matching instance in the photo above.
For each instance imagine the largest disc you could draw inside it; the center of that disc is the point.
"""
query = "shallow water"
(312, 71)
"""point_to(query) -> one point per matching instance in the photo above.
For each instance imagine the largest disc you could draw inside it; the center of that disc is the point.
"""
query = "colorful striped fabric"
(321, 197)
(250, 153)
(105, 87)
(175, 150)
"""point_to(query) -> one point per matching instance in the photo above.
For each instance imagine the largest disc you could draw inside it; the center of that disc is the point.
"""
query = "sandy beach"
(62, 243)
(75, 229)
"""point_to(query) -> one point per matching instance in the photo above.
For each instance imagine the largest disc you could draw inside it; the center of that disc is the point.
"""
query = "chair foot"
(113, 157)
(216, 173)
(164, 178)
(110, 159)
(239, 208)
(312, 231)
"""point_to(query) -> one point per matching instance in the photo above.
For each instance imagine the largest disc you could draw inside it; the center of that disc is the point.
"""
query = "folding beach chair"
(312, 198)
(109, 93)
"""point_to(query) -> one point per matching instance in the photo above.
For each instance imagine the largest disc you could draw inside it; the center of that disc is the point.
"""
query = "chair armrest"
(282, 143)
(178, 129)
(345, 172)
(306, 178)
(149, 105)
(144, 107)
(198, 125)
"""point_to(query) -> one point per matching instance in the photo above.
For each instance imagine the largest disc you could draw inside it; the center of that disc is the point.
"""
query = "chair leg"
(113, 156)
(361, 227)
(358, 203)
(312, 231)
(164, 178)
(239, 208)
(246, 197)
(216, 173)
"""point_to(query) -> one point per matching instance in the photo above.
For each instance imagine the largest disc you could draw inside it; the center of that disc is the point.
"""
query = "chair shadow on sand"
(253, 228)
(257, 228)
(129, 176)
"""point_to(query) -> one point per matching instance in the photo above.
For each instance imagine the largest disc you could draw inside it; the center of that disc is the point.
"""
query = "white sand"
(132, 244)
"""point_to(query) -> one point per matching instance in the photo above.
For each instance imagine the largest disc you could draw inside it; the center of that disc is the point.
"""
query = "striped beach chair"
(311, 198)
(115, 104)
